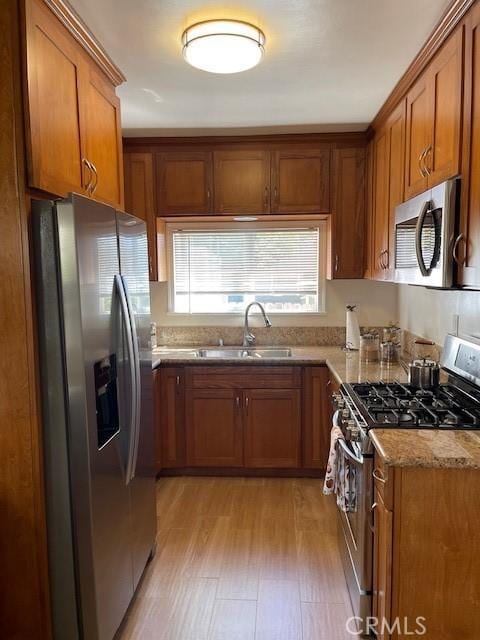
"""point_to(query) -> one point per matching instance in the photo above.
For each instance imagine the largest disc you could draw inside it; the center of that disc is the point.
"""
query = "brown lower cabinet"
(426, 561)
(254, 417)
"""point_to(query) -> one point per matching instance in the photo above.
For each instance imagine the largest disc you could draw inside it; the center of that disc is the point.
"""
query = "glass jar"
(369, 347)
(389, 352)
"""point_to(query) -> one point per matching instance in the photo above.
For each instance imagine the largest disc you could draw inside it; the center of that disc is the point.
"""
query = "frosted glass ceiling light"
(223, 46)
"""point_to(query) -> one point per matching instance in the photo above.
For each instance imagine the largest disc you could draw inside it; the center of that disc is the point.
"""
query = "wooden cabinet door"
(170, 420)
(382, 565)
(317, 417)
(214, 428)
(348, 214)
(370, 223)
(396, 171)
(468, 242)
(140, 200)
(101, 136)
(241, 181)
(272, 421)
(301, 181)
(445, 101)
(380, 233)
(184, 183)
(418, 137)
(53, 123)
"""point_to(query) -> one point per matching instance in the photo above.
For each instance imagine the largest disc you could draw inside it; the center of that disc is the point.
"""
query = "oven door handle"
(349, 453)
(341, 441)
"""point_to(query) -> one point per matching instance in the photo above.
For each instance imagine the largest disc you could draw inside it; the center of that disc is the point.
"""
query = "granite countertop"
(345, 366)
(429, 448)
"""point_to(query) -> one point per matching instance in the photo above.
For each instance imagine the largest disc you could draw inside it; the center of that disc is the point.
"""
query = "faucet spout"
(248, 337)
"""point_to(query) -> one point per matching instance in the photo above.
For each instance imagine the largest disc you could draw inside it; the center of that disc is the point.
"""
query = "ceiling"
(329, 64)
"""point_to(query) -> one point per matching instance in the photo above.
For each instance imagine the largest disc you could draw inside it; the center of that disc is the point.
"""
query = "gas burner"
(406, 417)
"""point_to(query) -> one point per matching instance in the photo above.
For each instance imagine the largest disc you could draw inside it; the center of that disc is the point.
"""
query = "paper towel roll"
(353, 330)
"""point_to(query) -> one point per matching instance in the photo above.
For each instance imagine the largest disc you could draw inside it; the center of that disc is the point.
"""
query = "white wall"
(430, 313)
(377, 305)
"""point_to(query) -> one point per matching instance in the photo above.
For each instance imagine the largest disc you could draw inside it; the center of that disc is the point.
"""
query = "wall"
(430, 313)
(377, 305)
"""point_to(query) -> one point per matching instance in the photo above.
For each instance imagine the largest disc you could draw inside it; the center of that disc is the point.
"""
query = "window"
(220, 268)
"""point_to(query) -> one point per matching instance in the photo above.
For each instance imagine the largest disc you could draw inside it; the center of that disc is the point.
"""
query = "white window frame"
(320, 224)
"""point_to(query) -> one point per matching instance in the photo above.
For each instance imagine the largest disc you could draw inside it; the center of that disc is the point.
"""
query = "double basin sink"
(244, 352)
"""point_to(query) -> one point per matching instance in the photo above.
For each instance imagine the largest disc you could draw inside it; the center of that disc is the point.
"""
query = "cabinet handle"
(420, 163)
(378, 475)
(266, 197)
(177, 381)
(275, 194)
(336, 262)
(386, 254)
(209, 195)
(381, 261)
(428, 170)
(246, 404)
(88, 165)
(95, 173)
(458, 239)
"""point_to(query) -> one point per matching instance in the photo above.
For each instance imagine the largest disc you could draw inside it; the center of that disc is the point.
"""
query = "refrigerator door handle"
(137, 389)
(120, 292)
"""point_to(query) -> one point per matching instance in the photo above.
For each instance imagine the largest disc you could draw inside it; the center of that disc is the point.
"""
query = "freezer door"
(97, 366)
(133, 249)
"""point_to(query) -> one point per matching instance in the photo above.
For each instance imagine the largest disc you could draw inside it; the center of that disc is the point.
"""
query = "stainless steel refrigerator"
(93, 308)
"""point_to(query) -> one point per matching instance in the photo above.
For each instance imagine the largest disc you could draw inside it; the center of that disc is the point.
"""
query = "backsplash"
(288, 336)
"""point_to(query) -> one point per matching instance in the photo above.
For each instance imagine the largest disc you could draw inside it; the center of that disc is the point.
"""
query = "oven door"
(355, 533)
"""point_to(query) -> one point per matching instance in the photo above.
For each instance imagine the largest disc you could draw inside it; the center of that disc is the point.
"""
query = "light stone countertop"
(429, 448)
(345, 366)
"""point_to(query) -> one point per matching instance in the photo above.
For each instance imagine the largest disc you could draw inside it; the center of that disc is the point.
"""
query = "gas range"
(403, 406)
(452, 405)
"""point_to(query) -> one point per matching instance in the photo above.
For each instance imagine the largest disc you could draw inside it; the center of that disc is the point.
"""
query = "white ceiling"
(328, 63)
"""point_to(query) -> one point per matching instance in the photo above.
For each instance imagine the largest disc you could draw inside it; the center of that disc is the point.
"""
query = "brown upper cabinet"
(73, 130)
(301, 181)
(140, 200)
(388, 177)
(102, 138)
(434, 110)
(241, 181)
(184, 183)
(348, 214)
(467, 245)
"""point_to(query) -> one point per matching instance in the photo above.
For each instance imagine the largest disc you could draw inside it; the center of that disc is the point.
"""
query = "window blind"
(223, 270)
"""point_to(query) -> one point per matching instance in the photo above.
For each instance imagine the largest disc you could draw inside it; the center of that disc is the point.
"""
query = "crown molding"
(450, 19)
(79, 30)
(356, 138)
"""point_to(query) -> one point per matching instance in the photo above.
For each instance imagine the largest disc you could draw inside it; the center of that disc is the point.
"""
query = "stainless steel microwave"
(424, 236)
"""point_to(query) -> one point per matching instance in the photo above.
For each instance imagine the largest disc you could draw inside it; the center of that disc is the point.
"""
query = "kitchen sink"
(248, 352)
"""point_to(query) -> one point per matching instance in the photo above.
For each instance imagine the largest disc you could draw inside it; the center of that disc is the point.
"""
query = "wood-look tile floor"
(242, 559)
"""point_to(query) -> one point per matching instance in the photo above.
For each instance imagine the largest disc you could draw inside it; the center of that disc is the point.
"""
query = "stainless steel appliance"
(424, 237)
(424, 374)
(454, 404)
(96, 375)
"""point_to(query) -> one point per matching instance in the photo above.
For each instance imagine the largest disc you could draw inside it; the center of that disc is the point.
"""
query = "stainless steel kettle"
(424, 374)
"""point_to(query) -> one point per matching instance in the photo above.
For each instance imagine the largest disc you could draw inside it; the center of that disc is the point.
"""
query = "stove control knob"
(353, 430)
(346, 414)
(340, 403)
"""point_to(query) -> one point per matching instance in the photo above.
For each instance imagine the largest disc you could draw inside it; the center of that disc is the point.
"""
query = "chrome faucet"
(248, 337)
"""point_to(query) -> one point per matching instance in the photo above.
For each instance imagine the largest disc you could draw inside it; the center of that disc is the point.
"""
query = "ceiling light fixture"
(223, 46)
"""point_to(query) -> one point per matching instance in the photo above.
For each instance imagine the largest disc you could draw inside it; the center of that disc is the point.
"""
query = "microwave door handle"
(418, 239)
(120, 292)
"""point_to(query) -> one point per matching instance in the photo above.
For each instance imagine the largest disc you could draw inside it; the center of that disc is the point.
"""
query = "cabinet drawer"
(243, 377)
(383, 477)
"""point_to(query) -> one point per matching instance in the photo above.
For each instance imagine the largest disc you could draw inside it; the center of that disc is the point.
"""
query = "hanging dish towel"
(339, 477)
